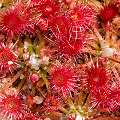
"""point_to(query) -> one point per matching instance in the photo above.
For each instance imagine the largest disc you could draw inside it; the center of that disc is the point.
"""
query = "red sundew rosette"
(63, 79)
(83, 17)
(46, 7)
(12, 106)
(17, 20)
(8, 60)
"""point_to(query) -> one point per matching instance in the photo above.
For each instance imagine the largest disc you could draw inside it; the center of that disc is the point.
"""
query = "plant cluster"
(59, 60)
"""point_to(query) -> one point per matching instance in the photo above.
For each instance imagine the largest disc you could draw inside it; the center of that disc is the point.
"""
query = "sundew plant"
(59, 59)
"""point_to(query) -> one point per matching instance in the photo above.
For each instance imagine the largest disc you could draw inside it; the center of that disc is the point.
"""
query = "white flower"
(108, 51)
(34, 62)
(80, 117)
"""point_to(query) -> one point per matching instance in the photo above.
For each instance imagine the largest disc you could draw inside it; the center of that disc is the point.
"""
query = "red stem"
(103, 115)
(114, 60)
(27, 82)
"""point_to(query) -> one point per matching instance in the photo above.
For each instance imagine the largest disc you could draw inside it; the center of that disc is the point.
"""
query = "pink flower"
(108, 13)
(69, 39)
(59, 26)
(83, 17)
(11, 106)
(115, 97)
(101, 98)
(98, 76)
(17, 20)
(8, 59)
(47, 7)
(51, 103)
(72, 48)
(63, 79)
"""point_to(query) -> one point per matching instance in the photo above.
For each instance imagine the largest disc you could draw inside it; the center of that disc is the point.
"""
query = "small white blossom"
(108, 51)
(80, 117)
(34, 62)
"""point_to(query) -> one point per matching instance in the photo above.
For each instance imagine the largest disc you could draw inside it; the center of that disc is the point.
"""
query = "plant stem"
(14, 79)
(8, 41)
(63, 110)
(20, 85)
(27, 82)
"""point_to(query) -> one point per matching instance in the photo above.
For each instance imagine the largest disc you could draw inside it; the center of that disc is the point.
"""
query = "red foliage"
(108, 13)
(115, 97)
(59, 26)
(17, 20)
(98, 76)
(69, 40)
(30, 116)
(47, 7)
(48, 10)
(51, 103)
(42, 23)
(68, 2)
(83, 17)
(8, 59)
(41, 2)
(72, 48)
(101, 98)
(63, 79)
(12, 106)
